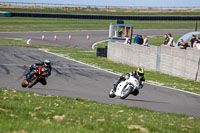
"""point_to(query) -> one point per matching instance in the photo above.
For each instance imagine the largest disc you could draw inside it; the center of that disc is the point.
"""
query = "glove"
(126, 76)
(33, 66)
(141, 86)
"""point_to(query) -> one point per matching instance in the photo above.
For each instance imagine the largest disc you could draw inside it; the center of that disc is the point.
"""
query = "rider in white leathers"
(138, 74)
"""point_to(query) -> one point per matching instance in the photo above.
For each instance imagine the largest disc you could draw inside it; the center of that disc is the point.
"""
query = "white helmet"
(47, 63)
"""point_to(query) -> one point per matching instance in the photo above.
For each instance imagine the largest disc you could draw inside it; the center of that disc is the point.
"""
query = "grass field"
(59, 24)
(23, 112)
(89, 57)
(158, 40)
(105, 11)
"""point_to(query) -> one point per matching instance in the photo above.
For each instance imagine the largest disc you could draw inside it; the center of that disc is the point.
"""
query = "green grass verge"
(158, 40)
(101, 45)
(122, 11)
(153, 40)
(59, 24)
(51, 24)
(87, 56)
(30, 112)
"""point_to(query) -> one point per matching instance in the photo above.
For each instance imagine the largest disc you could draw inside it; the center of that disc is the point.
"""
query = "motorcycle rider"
(46, 65)
(138, 74)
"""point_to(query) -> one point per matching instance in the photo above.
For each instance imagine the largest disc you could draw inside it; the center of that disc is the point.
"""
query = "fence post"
(158, 59)
(196, 26)
(197, 70)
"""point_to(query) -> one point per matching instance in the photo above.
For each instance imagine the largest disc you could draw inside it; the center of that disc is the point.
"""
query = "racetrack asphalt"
(78, 38)
(76, 80)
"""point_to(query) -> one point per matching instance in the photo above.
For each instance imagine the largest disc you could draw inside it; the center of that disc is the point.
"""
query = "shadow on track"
(146, 101)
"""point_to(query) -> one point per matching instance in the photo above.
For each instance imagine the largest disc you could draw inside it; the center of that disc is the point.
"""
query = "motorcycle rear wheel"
(135, 92)
(33, 81)
(125, 92)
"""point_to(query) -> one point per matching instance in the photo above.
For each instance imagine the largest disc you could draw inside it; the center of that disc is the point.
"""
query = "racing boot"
(116, 84)
(29, 76)
(115, 87)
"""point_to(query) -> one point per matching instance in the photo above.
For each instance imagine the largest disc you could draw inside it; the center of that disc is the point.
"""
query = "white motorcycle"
(130, 86)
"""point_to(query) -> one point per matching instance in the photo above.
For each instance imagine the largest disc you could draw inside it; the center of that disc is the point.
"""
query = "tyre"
(24, 83)
(112, 94)
(33, 81)
(126, 91)
(135, 92)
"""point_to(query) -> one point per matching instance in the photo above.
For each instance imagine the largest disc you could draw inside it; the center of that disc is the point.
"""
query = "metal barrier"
(109, 17)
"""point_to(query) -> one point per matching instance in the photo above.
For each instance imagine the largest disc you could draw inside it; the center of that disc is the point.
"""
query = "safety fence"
(108, 17)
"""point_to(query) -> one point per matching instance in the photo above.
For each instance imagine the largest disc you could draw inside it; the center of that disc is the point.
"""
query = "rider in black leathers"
(46, 65)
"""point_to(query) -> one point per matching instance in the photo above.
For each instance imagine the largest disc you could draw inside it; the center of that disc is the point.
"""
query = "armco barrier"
(168, 60)
(5, 14)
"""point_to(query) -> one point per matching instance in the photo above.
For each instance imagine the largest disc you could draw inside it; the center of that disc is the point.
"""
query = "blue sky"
(143, 3)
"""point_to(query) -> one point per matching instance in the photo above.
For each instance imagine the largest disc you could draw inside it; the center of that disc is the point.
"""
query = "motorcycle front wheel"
(33, 81)
(24, 83)
(112, 94)
(126, 91)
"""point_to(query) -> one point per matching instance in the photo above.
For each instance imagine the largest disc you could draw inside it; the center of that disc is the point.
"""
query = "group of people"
(169, 40)
(141, 40)
(193, 43)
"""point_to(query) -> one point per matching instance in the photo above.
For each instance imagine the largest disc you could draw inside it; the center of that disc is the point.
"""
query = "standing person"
(166, 39)
(145, 41)
(171, 41)
(193, 39)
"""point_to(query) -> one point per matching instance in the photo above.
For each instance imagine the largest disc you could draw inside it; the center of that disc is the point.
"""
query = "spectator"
(197, 44)
(120, 32)
(136, 39)
(145, 41)
(171, 40)
(192, 40)
(183, 44)
(140, 41)
(166, 39)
